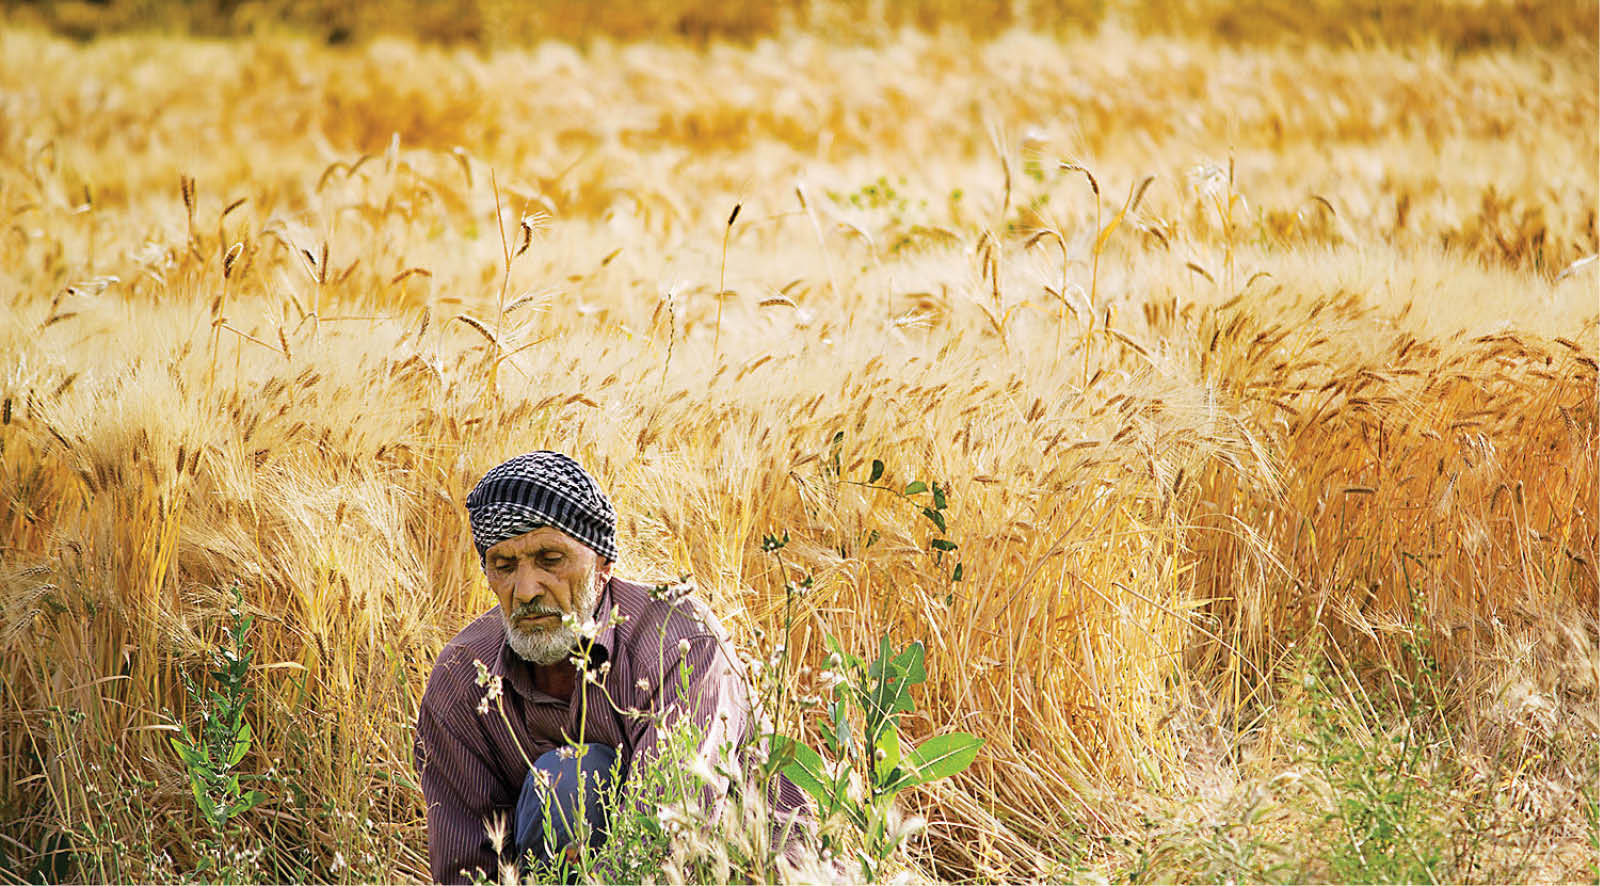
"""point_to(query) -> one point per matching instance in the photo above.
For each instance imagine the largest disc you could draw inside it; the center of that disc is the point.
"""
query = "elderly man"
(546, 536)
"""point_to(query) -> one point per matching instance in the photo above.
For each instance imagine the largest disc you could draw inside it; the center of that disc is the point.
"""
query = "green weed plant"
(213, 756)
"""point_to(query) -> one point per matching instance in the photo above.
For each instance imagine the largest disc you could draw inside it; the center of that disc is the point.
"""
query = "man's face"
(538, 577)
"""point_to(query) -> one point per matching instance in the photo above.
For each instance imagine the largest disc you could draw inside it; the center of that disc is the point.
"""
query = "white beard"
(544, 647)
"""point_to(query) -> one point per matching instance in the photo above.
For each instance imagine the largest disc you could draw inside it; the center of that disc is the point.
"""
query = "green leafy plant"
(212, 756)
(1384, 822)
(649, 808)
(662, 815)
(864, 762)
(878, 194)
(897, 214)
(933, 511)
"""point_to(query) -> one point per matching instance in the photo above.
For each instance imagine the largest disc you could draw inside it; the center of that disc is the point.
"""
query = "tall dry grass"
(1328, 389)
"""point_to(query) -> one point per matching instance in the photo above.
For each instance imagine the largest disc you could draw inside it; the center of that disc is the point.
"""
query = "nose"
(527, 585)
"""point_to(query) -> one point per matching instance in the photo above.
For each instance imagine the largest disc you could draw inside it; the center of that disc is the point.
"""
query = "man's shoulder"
(667, 609)
(478, 641)
(667, 624)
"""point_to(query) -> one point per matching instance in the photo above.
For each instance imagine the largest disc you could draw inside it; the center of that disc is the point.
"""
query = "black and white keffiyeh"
(541, 489)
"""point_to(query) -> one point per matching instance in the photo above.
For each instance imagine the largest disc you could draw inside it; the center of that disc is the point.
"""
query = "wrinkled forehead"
(532, 542)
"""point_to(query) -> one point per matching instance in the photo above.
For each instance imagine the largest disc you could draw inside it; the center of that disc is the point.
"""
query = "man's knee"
(563, 798)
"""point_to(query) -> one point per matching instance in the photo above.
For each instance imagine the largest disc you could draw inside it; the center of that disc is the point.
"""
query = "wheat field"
(1241, 354)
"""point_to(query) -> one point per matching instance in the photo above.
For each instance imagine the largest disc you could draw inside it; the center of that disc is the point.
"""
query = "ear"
(602, 572)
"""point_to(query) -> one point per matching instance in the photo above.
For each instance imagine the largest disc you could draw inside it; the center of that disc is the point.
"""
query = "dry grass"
(1329, 388)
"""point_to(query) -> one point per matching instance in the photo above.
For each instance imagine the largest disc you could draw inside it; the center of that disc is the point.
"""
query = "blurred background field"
(1253, 346)
(1459, 24)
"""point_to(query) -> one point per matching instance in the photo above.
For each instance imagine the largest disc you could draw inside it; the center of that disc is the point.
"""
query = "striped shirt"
(471, 767)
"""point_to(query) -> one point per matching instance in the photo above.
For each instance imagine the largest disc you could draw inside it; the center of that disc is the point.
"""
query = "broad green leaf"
(828, 737)
(208, 810)
(877, 471)
(191, 756)
(911, 662)
(894, 699)
(889, 691)
(936, 517)
(941, 757)
(877, 705)
(806, 770)
(916, 486)
(878, 670)
(241, 745)
(942, 544)
(939, 500)
(838, 734)
(889, 756)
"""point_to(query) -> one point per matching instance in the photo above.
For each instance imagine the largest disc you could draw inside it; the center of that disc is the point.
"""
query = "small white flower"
(902, 827)
(683, 646)
(700, 768)
(642, 684)
(672, 817)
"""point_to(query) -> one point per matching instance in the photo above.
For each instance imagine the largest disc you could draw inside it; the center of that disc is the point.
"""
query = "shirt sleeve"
(456, 788)
(703, 685)
(708, 687)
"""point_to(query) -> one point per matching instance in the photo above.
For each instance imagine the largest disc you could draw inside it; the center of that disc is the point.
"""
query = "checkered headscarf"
(541, 489)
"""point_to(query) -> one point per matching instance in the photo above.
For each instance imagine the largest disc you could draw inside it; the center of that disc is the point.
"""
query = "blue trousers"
(563, 789)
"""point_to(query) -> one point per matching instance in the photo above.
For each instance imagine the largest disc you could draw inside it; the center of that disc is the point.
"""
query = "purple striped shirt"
(472, 769)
